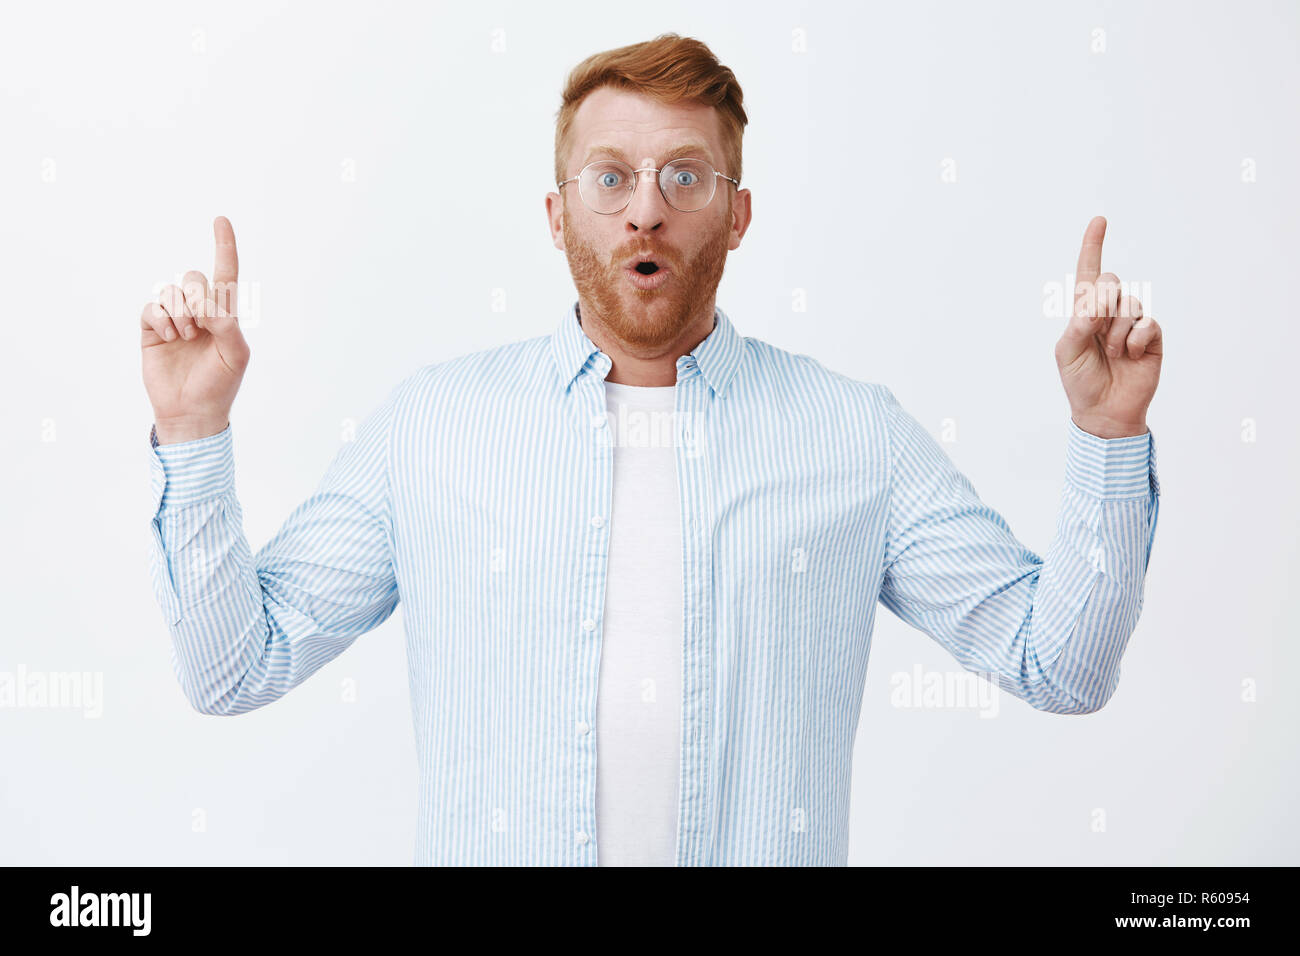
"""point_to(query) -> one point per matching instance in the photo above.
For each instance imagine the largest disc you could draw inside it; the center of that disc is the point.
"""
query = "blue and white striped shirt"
(478, 494)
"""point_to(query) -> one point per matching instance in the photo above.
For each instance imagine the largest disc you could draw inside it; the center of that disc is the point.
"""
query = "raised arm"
(245, 630)
(1049, 630)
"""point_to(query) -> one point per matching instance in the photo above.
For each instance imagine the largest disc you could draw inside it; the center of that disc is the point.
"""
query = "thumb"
(1083, 325)
(224, 328)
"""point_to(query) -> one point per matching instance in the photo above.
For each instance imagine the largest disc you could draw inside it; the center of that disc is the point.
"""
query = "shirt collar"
(718, 356)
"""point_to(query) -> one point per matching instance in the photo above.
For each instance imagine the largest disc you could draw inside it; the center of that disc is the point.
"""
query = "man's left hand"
(1109, 356)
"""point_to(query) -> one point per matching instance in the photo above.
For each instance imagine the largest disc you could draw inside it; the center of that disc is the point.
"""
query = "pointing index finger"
(225, 273)
(1089, 267)
(227, 265)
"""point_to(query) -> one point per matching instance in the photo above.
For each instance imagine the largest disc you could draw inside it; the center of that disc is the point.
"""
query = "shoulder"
(501, 369)
(796, 375)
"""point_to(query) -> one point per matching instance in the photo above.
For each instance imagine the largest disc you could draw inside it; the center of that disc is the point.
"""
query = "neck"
(641, 365)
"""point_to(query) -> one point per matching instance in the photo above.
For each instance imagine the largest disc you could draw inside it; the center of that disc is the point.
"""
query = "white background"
(125, 133)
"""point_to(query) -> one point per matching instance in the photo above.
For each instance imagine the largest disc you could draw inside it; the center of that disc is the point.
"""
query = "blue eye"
(608, 179)
(684, 177)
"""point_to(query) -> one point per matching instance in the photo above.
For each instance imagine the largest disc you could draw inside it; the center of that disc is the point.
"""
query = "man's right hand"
(192, 351)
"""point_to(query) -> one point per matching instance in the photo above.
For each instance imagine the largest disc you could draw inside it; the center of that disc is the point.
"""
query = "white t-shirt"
(638, 709)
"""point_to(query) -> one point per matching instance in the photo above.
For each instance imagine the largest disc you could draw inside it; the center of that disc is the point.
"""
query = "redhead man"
(640, 555)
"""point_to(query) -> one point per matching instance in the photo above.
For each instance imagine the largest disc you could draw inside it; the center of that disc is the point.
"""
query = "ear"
(741, 213)
(555, 218)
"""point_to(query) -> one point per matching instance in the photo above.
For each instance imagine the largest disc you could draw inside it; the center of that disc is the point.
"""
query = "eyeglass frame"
(636, 181)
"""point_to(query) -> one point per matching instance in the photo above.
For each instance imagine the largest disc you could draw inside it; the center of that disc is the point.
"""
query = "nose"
(646, 211)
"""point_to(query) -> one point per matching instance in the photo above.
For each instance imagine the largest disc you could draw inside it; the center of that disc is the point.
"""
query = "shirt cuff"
(1111, 467)
(187, 472)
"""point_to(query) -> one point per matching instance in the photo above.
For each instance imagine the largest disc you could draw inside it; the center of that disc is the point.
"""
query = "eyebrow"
(677, 152)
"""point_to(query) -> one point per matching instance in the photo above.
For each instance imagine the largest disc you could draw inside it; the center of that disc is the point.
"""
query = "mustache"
(660, 254)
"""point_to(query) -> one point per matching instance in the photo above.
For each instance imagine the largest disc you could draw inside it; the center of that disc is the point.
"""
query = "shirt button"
(588, 625)
(583, 727)
(581, 836)
(597, 521)
(597, 421)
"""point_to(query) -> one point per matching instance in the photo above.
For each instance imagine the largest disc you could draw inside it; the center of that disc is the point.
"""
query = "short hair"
(669, 68)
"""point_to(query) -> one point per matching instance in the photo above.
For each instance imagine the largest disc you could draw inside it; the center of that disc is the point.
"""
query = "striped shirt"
(479, 492)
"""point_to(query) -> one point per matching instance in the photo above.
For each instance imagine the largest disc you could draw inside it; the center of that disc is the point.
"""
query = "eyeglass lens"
(687, 185)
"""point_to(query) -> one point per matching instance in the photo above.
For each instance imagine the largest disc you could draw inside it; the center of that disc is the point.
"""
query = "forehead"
(640, 126)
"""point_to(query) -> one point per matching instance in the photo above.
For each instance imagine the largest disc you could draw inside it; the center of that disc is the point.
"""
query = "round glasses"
(606, 186)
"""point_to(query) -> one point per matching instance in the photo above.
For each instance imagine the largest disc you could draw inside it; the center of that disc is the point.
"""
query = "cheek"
(589, 247)
(584, 232)
(714, 235)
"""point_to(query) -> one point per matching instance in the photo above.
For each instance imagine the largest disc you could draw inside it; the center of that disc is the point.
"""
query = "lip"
(650, 282)
(647, 256)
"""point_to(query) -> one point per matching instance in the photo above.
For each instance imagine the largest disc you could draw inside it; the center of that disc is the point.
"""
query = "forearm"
(204, 576)
(1109, 564)
(1093, 578)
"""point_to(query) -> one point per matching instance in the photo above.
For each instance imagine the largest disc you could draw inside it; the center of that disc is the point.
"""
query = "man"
(640, 557)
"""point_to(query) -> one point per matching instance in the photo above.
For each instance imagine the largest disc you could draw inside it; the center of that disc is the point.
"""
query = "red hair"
(671, 69)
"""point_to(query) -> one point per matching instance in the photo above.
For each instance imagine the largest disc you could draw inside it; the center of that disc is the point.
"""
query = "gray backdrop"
(922, 176)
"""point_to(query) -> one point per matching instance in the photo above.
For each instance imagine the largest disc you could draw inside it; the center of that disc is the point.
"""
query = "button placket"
(693, 838)
(594, 545)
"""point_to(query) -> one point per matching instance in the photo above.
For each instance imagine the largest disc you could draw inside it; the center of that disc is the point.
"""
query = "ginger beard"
(646, 318)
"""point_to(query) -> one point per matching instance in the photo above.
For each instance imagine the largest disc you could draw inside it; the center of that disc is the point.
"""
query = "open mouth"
(645, 273)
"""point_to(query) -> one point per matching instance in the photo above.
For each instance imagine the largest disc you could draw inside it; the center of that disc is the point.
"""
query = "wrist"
(171, 431)
(1103, 426)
